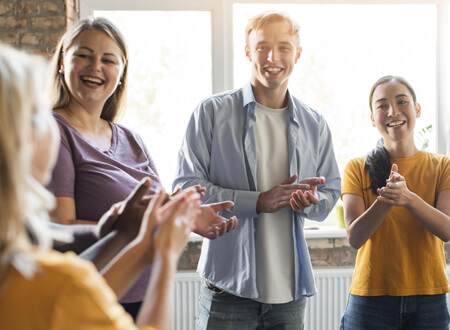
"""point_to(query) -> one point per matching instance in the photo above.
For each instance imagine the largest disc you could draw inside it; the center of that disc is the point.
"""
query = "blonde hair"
(60, 94)
(258, 21)
(23, 201)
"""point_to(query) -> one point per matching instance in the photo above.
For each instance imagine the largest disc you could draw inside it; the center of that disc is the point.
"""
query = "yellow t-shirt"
(402, 258)
(65, 293)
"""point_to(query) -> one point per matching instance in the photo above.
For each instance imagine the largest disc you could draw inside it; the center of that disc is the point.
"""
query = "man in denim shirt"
(273, 156)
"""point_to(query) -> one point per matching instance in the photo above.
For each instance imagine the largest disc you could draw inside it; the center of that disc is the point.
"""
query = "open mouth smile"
(273, 70)
(396, 123)
(92, 80)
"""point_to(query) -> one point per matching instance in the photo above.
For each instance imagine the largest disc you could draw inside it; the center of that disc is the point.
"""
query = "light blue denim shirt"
(219, 153)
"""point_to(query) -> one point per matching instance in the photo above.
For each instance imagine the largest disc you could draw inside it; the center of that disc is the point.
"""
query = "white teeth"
(396, 123)
(92, 80)
(273, 70)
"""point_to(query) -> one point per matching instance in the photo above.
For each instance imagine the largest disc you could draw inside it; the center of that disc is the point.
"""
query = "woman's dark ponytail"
(378, 165)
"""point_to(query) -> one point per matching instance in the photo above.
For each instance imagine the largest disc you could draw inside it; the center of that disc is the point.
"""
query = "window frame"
(222, 41)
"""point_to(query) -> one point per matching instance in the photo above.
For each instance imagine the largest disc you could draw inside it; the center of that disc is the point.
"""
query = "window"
(346, 48)
(183, 51)
(169, 73)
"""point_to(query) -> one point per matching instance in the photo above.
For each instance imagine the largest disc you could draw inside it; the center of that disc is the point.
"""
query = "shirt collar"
(249, 98)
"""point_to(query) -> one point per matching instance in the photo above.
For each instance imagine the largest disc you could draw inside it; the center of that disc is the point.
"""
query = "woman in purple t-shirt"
(100, 162)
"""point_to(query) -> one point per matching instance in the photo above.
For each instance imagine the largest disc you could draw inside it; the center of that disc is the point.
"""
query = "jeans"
(389, 312)
(221, 310)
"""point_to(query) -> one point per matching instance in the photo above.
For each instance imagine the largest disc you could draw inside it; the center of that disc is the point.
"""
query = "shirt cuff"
(245, 203)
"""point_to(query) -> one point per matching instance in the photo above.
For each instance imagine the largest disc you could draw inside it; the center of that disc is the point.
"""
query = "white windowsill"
(326, 232)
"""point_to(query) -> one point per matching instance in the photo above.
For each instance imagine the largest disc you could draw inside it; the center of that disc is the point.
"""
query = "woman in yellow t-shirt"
(44, 289)
(397, 211)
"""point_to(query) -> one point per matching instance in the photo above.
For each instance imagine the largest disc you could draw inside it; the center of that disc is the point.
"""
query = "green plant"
(423, 136)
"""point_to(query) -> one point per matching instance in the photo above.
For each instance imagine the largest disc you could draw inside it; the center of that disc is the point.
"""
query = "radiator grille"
(323, 311)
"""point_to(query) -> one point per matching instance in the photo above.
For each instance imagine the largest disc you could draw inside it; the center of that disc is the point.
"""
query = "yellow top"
(65, 293)
(401, 258)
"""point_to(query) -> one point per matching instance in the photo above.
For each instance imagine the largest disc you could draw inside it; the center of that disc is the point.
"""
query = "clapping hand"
(209, 224)
(396, 191)
(304, 198)
(126, 216)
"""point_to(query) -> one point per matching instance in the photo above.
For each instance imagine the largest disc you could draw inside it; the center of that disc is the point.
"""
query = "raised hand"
(302, 199)
(279, 196)
(209, 224)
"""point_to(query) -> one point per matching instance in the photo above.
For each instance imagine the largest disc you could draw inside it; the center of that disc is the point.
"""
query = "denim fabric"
(221, 310)
(389, 312)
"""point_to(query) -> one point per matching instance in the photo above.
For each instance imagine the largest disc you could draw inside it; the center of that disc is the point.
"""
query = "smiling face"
(394, 112)
(92, 68)
(273, 51)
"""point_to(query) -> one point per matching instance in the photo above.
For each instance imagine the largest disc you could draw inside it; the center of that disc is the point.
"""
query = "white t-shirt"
(274, 235)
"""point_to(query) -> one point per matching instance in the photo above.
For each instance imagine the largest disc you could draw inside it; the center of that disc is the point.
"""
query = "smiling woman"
(92, 68)
(394, 110)
(397, 214)
(99, 162)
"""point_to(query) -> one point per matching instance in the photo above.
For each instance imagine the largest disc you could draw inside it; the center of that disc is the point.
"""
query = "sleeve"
(352, 182)
(63, 176)
(86, 302)
(444, 183)
(194, 163)
(329, 192)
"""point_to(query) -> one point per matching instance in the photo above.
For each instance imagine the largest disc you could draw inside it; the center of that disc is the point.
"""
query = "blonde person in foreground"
(44, 289)
(396, 208)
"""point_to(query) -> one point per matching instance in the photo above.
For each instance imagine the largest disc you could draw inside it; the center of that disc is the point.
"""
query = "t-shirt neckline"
(113, 146)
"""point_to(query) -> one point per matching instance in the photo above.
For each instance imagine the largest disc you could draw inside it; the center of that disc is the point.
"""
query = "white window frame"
(222, 41)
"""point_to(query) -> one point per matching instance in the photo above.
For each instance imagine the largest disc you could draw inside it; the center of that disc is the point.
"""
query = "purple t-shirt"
(97, 179)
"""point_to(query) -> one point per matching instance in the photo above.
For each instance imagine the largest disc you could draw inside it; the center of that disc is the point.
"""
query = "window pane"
(170, 71)
(346, 48)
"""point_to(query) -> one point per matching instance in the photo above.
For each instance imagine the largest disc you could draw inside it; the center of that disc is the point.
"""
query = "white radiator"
(323, 311)
(186, 292)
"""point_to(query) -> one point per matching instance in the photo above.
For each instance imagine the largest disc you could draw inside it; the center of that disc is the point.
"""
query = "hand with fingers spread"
(209, 224)
(279, 196)
(302, 198)
(396, 192)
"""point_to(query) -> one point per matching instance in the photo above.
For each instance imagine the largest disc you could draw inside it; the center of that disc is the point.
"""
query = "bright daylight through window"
(346, 47)
(169, 73)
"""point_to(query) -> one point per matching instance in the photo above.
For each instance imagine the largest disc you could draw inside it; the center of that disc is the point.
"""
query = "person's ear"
(61, 64)
(373, 120)
(418, 110)
(297, 55)
(248, 54)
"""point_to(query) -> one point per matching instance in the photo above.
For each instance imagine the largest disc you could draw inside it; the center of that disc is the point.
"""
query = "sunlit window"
(169, 73)
(346, 48)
